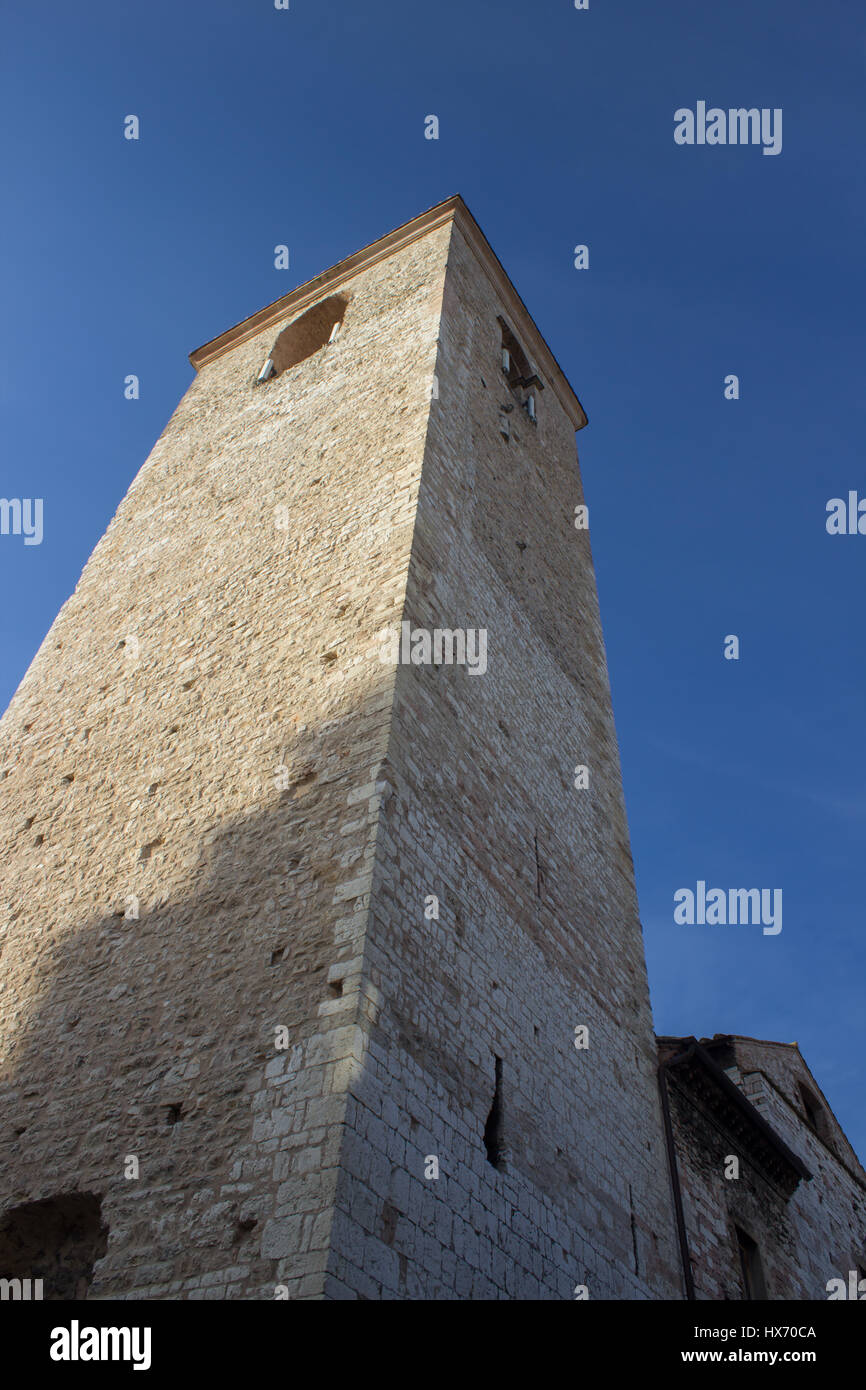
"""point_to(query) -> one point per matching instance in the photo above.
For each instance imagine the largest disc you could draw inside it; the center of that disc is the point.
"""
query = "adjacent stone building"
(769, 1195)
(322, 971)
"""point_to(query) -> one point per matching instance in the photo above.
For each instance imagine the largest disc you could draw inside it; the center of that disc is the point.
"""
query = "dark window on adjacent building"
(751, 1268)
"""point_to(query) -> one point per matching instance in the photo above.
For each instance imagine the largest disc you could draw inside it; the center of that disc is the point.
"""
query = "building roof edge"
(451, 209)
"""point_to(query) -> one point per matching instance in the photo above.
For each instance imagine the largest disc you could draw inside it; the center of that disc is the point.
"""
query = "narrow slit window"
(493, 1141)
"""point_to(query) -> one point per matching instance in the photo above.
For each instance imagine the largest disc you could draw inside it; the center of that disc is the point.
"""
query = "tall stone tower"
(322, 971)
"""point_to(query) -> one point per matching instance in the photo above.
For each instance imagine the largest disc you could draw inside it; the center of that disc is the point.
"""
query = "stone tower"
(302, 944)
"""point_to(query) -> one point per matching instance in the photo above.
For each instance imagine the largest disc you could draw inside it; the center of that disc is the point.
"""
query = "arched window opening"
(515, 363)
(518, 372)
(309, 333)
(816, 1116)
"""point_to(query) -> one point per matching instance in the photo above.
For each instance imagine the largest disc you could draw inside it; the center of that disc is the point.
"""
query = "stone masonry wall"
(538, 928)
(202, 731)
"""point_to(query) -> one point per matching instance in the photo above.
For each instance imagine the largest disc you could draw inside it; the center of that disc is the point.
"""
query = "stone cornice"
(685, 1060)
(452, 210)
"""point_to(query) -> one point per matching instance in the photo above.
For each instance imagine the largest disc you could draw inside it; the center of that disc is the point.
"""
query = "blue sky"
(305, 127)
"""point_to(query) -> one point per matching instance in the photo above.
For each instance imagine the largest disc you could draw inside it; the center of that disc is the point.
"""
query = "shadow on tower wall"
(139, 1046)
